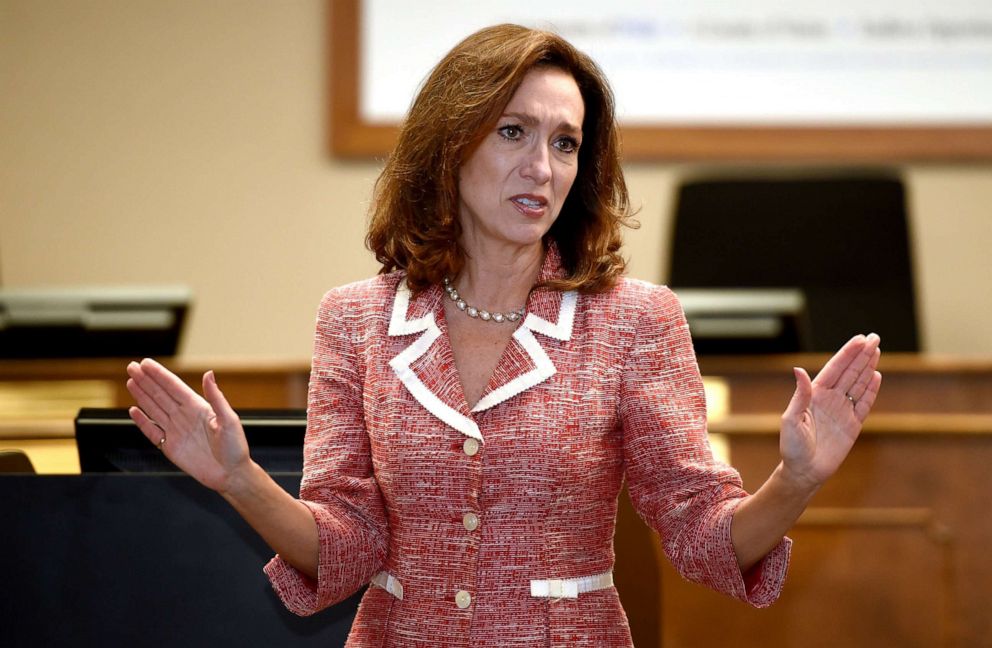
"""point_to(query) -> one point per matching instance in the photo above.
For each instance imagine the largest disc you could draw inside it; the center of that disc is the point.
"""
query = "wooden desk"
(911, 383)
(272, 383)
(762, 384)
(893, 551)
(43, 396)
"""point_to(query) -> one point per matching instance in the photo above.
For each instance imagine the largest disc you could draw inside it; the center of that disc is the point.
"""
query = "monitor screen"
(109, 441)
(92, 322)
(745, 320)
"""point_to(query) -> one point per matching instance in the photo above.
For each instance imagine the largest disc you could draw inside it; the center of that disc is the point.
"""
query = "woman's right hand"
(202, 436)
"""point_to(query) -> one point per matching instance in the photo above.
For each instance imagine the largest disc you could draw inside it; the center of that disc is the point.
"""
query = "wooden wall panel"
(848, 586)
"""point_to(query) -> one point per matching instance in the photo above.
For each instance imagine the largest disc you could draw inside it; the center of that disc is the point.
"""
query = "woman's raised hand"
(202, 436)
(824, 418)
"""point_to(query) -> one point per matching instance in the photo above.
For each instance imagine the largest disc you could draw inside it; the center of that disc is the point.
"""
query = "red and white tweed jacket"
(468, 519)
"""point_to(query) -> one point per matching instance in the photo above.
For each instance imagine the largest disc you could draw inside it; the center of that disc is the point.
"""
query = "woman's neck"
(500, 279)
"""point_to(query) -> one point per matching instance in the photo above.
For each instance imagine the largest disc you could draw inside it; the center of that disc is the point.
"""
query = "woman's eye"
(567, 145)
(511, 132)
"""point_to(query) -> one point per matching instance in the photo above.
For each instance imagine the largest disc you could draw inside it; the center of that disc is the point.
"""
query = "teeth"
(528, 202)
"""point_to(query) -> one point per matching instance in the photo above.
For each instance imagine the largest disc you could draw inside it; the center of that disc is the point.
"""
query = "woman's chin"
(520, 237)
(532, 233)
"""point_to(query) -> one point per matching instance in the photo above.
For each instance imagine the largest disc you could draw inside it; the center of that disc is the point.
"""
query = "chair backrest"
(15, 461)
(844, 241)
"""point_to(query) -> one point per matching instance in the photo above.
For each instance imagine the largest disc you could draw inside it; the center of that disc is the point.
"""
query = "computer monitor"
(92, 322)
(109, 441)
(745, 320)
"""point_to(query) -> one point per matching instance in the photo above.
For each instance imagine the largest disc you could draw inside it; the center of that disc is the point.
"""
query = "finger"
(147, 426)
(170, 384)
(222, 409)
(834, 369)
(863, 406)
(859, 365)
(857, 390)
(801, 397)
(150, 385)
(148, 405)
(851, 363)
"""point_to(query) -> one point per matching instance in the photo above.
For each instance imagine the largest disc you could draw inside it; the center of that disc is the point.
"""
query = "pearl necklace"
(477, 313)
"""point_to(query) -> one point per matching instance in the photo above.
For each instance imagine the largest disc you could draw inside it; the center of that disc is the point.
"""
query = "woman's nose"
(537, 165)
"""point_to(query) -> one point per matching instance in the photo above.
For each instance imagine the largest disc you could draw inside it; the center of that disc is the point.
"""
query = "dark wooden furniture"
(892, 552)
(142, 560)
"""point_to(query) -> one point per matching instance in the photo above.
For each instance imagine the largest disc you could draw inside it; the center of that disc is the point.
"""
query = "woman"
(474, 409)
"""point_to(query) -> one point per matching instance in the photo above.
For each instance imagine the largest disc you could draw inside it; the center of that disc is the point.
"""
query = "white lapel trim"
(566, 317)
(400, 325)
(543, 367)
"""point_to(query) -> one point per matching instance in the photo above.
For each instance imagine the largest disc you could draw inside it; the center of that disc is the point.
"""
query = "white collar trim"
(400, 325)
(543, 369)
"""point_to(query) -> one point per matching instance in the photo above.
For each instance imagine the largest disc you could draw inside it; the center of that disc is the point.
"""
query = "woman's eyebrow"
(530, 120)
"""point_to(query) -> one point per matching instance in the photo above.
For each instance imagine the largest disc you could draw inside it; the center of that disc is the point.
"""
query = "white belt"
(559, 588)
(390, 583)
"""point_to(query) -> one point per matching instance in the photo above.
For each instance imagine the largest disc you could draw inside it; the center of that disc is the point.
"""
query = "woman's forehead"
(548, 94)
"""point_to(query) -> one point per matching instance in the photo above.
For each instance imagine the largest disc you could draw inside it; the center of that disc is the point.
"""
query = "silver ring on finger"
(851, 398)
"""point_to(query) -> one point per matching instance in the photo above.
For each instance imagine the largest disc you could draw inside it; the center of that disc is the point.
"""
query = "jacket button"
(471, 521)
(463, 599)
(471, 446)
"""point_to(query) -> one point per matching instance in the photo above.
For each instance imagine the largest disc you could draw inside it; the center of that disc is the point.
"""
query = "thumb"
(222, 409)
(802, 396)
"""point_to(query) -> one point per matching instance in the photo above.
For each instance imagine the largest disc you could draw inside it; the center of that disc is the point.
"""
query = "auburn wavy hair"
(414, 222)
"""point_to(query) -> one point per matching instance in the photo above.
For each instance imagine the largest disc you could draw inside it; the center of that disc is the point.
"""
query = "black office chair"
(844, 241)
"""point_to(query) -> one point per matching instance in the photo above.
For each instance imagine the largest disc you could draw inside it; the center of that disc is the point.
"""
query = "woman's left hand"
(824, 418)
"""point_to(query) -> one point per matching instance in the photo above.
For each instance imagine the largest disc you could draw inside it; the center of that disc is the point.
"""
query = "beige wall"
(182, 141)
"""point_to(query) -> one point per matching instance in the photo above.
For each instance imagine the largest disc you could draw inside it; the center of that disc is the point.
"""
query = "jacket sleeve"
(675, 484)
(338, 484)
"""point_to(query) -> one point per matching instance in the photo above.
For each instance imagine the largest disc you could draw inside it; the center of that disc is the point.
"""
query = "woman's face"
(512, 187)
